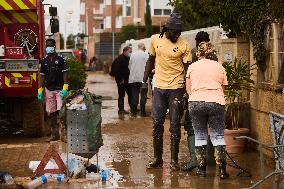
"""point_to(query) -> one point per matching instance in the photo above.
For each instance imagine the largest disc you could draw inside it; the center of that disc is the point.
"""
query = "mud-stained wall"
(264, 99)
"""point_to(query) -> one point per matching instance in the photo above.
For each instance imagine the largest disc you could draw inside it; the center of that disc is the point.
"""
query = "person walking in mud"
(170, 54)
(120, 71)
(192, 163)
(136, 66)
(53, 78)
(207, 106)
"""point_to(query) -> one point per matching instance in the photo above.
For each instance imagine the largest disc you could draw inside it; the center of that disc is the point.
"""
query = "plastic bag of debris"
(83, 103)
(76, 165)
(77, 103)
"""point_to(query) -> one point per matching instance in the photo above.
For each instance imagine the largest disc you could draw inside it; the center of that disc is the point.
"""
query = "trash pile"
(44, 179)
(81, 119)
(6, 178)
(81, 116)
(77, 103)
(78, 167)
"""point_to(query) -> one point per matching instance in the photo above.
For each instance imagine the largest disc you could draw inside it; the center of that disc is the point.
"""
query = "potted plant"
(239, 82)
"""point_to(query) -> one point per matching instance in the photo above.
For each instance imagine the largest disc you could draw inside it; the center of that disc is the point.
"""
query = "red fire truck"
(22, 39)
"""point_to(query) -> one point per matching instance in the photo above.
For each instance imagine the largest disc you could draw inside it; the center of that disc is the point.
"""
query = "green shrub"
(128, 32)
(76, 74)
(239, 80)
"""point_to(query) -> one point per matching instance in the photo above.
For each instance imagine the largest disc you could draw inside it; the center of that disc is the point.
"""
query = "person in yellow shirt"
(169, 54)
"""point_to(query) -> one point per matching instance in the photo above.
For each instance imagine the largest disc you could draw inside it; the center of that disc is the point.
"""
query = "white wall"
(102, 6)
(159, 4)
(82, 27)
(82, 8)
(119, 2)
(118, 22)
(215, 34)
(107, 23)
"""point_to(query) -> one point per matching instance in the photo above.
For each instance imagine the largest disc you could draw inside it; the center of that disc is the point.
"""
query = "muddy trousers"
(192, 163)
(204, 115)
(53, 119)
(54, 126)
(162, 100)
(122, 89)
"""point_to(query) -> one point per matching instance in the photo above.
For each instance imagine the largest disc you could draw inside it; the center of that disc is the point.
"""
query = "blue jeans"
(204, 115)
(162, 100)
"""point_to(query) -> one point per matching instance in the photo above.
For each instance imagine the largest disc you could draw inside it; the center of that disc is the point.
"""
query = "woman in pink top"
(205, 84)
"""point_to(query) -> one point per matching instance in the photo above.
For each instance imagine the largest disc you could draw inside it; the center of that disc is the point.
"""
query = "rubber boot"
(54, 127)
(133, 111)
(220, 157)
(191, 148)
(158, 153)
(143, 111)
(174, 166)
(201, 160)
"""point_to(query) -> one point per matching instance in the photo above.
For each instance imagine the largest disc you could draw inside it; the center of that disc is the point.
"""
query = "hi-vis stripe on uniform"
(18, 11)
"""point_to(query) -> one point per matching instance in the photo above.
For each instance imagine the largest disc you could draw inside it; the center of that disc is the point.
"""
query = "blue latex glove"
(40, 96)
(63, 93)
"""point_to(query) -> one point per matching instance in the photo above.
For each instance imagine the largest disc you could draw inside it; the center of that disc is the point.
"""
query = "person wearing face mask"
(53, 80)
(120, 71)
(170, 55)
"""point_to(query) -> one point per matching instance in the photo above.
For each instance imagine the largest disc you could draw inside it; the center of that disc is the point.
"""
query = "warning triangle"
(51, 153)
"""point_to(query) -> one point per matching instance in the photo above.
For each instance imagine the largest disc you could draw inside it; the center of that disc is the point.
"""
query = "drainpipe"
(275, 51)
(136, 9)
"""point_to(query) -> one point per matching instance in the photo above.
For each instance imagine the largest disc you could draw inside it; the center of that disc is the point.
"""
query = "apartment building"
(98, 16)
(101, 20)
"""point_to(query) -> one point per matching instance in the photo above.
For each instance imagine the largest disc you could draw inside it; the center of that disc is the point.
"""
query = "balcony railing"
(98, 17)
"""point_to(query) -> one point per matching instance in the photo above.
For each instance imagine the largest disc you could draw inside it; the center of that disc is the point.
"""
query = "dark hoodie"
(120, 68)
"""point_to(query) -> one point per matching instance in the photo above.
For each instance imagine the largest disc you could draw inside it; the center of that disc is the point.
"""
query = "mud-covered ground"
(127, 149)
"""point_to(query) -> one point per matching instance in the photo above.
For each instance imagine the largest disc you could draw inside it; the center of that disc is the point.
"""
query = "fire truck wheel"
(33, 120)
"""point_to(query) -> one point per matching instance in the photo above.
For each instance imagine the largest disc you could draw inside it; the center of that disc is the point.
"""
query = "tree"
(249, 19)
(148, 20)
(79, 40)
(193, 14)
(244, 18)
(70, 43)
(62, 41)
(76, 74)
(128, 32)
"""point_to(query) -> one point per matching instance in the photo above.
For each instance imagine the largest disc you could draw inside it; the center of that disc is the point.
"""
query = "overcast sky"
(63, 6)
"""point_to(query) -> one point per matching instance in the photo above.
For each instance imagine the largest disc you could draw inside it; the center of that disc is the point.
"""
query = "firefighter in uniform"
(53, 80)
(170, 55)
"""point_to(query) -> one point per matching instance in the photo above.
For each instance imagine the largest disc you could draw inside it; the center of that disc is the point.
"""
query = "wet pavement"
(127, 149)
